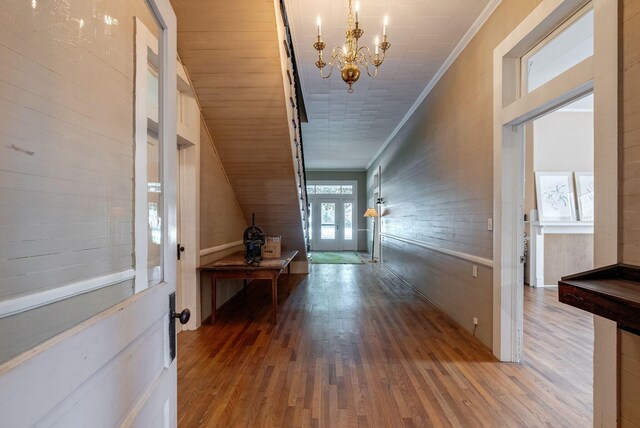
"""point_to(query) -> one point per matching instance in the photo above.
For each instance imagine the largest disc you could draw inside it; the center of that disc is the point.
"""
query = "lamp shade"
(371, 212)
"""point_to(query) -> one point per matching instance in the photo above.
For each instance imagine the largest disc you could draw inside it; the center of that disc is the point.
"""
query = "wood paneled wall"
(437, 179)
(630, 133)
(629, 379)
(231, 50)
(629, 369)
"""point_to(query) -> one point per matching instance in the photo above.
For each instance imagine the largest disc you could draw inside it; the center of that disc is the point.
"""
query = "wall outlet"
(475, 321)
(474, 272)
(489, 224)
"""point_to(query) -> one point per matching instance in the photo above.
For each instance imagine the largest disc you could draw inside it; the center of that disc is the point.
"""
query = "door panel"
(328, 225)
(348, 222)
(333, 225)
(78, 87)
(91, 375)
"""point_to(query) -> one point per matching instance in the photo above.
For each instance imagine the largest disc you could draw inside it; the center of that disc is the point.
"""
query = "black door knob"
(183, 316)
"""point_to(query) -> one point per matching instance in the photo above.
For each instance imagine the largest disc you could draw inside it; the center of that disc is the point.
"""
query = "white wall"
(563, 141)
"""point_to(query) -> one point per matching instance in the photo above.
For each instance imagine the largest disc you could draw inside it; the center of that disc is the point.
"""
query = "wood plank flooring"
(356, 347)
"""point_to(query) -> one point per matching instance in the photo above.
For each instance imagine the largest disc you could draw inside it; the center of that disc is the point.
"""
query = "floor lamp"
(372, 212)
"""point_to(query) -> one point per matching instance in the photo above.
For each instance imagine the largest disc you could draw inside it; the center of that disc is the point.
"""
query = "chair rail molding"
(219, 248)
(453, 253)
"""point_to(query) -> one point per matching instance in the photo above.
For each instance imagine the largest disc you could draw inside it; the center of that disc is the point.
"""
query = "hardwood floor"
(356, 347)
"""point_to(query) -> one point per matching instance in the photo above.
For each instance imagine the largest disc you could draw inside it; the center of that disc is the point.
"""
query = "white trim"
(457, 254)
(218, 248)
(144, 41)
(300, 267)
(511, 109)
(471, 32)
(16, 305)
(606, 172)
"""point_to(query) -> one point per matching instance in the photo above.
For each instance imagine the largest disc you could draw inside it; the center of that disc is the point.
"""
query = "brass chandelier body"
(352, 58)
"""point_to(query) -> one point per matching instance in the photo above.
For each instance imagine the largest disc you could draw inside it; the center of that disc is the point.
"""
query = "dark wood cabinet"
(611, 292)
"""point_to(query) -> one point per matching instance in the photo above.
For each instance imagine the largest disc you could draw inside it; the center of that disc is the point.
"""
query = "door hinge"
(522, 259)
(180, 250)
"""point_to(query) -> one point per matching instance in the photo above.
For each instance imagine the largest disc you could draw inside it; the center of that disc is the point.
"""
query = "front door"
(327, 228)
(333, 228)
(93, 213)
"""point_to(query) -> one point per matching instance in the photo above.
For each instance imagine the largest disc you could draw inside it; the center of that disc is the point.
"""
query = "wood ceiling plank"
(231, 51)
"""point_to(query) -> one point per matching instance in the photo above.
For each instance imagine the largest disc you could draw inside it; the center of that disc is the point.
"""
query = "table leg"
(244, 287)
(274, 297)
(214, 298)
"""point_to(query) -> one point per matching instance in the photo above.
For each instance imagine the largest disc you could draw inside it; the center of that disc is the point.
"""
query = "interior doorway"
(559, 240)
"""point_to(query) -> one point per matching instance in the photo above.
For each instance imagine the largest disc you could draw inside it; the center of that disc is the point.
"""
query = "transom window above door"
(330, 189)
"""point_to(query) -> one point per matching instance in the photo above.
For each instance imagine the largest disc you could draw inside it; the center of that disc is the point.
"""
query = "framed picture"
(584, 193)
(555, 196)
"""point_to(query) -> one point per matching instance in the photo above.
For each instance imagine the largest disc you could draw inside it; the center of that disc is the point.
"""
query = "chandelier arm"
(375, 70)
(330, 71)
(364, 55)
(337, 57)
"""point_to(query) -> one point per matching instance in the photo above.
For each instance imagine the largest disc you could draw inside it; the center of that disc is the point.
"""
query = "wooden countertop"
(236, 261)
(612, 292)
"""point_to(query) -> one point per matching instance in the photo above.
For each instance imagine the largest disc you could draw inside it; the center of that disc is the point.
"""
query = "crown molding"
(471, 32)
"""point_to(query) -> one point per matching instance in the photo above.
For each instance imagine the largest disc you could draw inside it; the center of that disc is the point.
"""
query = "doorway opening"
(333, 215)
(558, 227)
(514, 106)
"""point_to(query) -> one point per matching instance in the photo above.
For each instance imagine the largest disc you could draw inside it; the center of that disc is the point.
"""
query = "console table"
(233, 266)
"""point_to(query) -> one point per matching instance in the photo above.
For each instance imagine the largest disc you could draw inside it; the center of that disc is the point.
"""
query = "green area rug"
(335, 258)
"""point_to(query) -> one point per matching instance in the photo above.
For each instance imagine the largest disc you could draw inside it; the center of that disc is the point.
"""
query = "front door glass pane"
(328, 220)
(348, 221)
(328, 189)
(347, 190)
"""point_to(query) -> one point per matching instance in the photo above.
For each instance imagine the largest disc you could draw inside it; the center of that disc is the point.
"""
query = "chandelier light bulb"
(319, 21)
(384, 25)
(357, 8)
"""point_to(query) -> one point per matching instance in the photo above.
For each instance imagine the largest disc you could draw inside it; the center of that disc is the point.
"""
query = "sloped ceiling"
(231, 52)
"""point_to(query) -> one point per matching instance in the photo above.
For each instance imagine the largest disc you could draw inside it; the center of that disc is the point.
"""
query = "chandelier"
(350, 58)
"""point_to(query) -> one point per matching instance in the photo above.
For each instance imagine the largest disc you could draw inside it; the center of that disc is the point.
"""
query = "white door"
(117, 367)
(333, 228)
(327, 228)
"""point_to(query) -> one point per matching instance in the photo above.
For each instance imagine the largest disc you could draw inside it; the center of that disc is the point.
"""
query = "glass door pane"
(348, 221)
(328, 220)
(154, 180)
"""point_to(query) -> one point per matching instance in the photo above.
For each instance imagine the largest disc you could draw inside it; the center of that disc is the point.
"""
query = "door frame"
(599, 74)
(353, 198)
